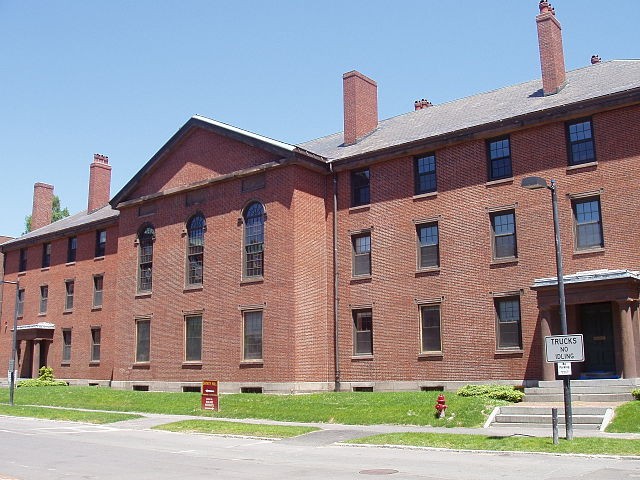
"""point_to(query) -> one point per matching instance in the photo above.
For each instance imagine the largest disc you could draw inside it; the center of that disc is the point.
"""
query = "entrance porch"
(602, 305)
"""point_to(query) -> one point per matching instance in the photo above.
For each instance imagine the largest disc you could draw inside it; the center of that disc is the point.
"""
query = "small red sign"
(210, 395)
(209, 387)
(210, 402)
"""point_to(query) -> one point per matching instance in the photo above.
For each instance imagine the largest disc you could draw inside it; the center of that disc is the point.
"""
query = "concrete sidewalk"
(330, 433)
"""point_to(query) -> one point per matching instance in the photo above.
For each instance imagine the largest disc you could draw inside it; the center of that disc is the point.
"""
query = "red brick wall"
(201, 155)
(468, 277)
(81, 318)
(294, 275)
(99, 182)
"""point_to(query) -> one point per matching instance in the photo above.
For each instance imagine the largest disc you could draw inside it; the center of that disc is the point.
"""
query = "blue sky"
(120, 77)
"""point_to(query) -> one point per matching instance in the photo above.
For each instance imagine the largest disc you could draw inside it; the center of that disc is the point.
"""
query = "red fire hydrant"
(441, 406)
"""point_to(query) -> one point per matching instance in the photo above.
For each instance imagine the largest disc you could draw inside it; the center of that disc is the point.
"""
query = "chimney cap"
(546, 7)
(595, 59)
(99, 158)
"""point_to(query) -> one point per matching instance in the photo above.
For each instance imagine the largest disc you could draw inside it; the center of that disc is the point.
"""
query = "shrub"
(499, 392)
(636, 393)
(45, 379)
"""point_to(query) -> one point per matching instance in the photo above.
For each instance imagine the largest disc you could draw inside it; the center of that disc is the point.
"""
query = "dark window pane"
(145, 267)
(504, 235)
(66, 345)
(363, 332)
(588, 224)
(72, 247)
(581, 148)
(431, 341)
(508, 312)
(254, 240)
(499, 159)
(428, 245)
(195, 233)
(253, 335)
(425, 169)
(143, 339)
(361, 255)
(360, 187)
(95, 344)
(193, 344)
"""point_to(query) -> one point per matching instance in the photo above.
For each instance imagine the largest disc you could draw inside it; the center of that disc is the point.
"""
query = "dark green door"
(597, 329)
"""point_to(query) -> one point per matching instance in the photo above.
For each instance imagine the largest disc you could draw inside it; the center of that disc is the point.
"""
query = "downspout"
(336, 343)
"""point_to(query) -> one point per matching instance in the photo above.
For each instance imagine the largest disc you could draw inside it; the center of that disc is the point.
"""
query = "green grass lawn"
(589, 446)
(403, 408)
(68, 415)
(626, 419)
(233, 428)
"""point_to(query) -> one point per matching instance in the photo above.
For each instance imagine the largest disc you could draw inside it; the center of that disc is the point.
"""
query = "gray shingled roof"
(586, 83)
(72, 222)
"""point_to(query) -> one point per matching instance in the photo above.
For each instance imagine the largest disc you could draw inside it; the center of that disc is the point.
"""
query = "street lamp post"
(12, 359)
(534, 183)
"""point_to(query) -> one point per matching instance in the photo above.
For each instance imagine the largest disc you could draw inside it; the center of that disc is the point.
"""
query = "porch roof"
(37, 326)
(588, 276)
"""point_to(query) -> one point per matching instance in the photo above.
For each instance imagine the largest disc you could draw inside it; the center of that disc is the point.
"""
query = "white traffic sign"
(564, 348)
(564, 368)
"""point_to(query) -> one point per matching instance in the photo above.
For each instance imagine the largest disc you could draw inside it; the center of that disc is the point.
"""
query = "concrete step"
(631, 383)
(546, 426)
(605, 398)
(546, 410)
(535, 419)
(582, 389)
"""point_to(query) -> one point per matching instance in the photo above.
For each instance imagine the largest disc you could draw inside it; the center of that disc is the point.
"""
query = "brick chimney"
(360, 106)
(99, 182)
(551, 53)
(42, 213)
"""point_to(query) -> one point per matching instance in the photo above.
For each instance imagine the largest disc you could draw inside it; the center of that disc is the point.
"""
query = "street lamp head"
(533, 183)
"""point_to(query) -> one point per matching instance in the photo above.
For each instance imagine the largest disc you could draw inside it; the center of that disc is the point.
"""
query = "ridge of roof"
(614, 76)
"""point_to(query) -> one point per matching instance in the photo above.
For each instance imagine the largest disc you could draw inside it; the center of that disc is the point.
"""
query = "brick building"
(397, 254)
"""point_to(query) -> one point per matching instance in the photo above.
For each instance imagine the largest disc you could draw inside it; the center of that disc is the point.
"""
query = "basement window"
(141, 388)
(188, 388)
(363, 389)
(250, 389)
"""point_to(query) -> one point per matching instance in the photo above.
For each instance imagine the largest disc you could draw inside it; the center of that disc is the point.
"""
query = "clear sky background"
(121, 77)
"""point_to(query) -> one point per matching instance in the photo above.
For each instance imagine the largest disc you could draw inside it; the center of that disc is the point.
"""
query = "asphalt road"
(43, 450)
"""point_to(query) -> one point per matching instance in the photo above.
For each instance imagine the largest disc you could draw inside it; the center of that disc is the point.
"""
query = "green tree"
(57, 213)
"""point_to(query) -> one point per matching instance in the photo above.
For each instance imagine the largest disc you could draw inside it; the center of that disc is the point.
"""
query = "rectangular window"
(44, 299)
(143, 340)
(72, 248)
(428, 245)
(95, 343)
(508, 323)
(499, 153)
(69, 286)
(46, 255)
(430, 328)
(98, 281)
(101, 242)
(362, 332)
(580, 142)
(193, 338)
(20, 305)
(360, 187)
(503, 231)
(587, 223)
(252, 344)
(23, 260)
(425, 174)
(361, 244)
(66, 345)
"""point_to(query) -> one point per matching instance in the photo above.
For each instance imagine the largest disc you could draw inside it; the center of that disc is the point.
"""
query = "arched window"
(146, 236)
(195, 249)
(253, 240)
